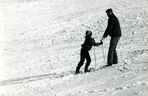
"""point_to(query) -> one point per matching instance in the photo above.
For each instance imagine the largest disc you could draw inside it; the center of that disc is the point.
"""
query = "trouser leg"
(80, 64)
(115, 57)
(112, 54)
(88, 61)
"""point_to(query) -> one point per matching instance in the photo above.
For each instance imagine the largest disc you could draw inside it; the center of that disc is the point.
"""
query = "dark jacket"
(88, 43)
(113, 28)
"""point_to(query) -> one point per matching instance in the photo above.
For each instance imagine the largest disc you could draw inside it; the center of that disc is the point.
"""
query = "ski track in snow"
(51, 76)
(47, 47)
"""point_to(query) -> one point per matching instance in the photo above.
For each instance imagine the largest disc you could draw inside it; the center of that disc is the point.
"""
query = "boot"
(77, 71)
(86, 70)
(109, 64)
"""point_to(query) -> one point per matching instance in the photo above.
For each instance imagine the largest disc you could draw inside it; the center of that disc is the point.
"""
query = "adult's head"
(88, 33)
(109, 12)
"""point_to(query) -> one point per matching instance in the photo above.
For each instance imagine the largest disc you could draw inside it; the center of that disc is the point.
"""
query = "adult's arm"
(109, 28)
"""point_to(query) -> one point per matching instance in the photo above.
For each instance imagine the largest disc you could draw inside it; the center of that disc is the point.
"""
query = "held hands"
(101, 42)
(103, 38)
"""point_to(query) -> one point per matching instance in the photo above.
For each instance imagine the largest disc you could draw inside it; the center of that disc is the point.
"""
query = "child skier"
(86, 46)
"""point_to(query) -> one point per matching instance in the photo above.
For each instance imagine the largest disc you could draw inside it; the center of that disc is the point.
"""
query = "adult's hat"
(109, 10)
(88, 33)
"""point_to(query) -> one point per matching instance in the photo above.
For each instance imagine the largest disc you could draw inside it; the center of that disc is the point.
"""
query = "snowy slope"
(40, 44)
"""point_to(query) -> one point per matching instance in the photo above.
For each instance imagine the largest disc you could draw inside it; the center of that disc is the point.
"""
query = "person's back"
(116, 30)
(87, 45)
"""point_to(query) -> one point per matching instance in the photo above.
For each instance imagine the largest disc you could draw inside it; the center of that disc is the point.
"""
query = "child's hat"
(88, 33)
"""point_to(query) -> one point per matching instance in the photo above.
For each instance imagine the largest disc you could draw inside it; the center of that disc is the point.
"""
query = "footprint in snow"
(119, 88)
(129, 86)
(92, 91)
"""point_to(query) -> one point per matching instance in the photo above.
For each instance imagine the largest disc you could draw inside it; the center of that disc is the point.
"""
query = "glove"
(101, 42)
(103, 38)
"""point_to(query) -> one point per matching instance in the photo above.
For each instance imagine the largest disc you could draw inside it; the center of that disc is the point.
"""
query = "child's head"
(88, 33)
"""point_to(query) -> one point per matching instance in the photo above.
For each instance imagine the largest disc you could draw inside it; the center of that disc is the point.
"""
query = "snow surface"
(40, 42)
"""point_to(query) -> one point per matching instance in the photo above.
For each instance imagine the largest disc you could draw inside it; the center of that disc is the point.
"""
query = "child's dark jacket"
(88, 43)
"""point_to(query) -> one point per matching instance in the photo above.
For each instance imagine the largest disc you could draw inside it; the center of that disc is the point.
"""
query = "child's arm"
(96, 44)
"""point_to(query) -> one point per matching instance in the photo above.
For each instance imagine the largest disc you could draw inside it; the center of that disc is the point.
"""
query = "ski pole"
(103, 53)
(95, 57)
